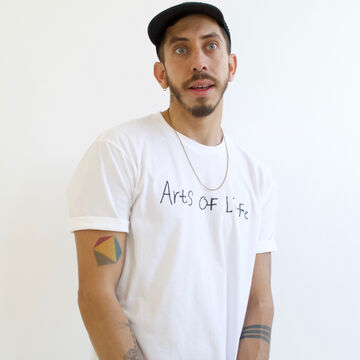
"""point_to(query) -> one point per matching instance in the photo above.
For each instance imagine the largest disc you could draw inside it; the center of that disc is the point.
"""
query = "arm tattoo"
(134, 353)
(107, 250)
(262, 332)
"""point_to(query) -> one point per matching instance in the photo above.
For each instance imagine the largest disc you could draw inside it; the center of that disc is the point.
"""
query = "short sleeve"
(99, 194)
(266, 240)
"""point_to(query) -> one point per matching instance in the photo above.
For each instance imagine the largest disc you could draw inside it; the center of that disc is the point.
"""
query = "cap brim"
(170, 16)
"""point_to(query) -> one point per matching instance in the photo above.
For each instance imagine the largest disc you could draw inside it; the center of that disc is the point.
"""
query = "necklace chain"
(227, 158)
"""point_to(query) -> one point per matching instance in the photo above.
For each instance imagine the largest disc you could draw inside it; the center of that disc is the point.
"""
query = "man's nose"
(199, 61)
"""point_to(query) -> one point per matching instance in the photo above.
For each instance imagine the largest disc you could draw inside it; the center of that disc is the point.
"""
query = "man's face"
(196, 64)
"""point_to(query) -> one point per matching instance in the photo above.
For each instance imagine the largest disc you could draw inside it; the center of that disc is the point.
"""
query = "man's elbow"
(90, 298)
(264, 305)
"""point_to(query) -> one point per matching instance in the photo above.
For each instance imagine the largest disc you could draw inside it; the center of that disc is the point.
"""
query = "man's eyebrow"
(176, 38)
(211, 35)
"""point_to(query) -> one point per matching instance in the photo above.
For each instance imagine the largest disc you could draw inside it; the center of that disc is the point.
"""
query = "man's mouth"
(201, 89)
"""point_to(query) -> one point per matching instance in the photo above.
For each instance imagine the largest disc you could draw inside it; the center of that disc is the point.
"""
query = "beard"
(203, 109)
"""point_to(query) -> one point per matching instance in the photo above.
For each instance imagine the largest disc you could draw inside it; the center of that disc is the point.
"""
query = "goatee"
(198, 110)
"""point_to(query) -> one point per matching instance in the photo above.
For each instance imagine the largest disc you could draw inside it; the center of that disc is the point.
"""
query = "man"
(174, 222)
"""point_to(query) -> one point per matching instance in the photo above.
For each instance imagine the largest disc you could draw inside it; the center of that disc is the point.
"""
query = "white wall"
(71, 69)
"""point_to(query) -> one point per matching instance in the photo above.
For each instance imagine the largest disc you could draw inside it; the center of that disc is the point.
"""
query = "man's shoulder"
(252, 164)
(128, 137)
(132, 133)
(132, 128)
(242, 154)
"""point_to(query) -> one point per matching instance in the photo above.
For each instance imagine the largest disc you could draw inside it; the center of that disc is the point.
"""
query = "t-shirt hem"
(98, 223)
(269, 247)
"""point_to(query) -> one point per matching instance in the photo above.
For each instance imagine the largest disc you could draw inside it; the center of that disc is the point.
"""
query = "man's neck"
(205, 130)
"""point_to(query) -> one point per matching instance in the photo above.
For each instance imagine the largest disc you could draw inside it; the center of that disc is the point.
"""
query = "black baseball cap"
(158, 25)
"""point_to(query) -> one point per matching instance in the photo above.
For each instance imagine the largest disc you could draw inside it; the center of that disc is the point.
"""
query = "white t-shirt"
(190, 252)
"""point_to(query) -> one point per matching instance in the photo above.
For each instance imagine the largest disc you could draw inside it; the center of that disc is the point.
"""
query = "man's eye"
(180, 50)
(212, 46)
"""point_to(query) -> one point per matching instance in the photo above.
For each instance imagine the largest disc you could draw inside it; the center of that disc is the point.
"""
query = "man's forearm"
(108, 327)
(256, 333)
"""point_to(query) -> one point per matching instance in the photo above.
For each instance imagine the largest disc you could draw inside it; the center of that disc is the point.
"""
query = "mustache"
(200, 76)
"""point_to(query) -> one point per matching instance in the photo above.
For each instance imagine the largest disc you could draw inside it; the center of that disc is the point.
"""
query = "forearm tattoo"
(107, 250)
(134, 353)
(262, 332)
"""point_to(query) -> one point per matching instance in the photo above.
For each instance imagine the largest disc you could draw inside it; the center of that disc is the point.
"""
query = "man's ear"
(160, 74)
(232, 66)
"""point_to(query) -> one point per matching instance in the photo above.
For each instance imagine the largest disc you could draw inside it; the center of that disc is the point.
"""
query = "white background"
(71, 69)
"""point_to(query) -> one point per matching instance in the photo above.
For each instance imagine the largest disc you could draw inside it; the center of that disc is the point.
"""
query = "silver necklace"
(227, 158)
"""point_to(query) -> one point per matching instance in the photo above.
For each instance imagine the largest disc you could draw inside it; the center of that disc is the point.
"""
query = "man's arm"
(101, 256)
(255, 337)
